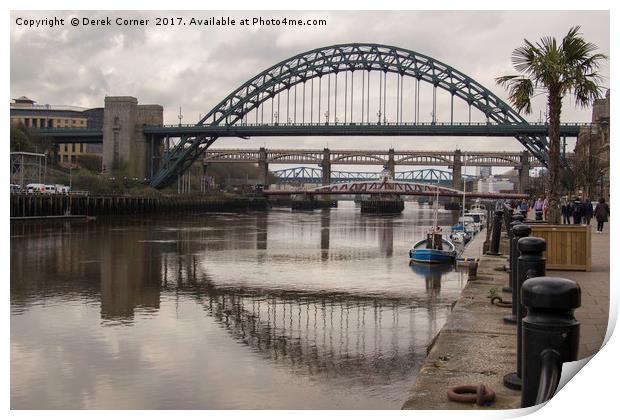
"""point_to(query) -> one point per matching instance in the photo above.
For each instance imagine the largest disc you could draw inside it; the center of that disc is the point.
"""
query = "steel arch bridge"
(329, 61)
(304, 174)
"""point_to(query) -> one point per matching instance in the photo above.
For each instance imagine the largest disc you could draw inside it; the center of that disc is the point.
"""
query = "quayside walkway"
(594, 311)
(475, 345)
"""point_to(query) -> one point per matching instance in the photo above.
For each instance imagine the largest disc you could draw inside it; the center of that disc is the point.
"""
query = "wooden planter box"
(568, 246)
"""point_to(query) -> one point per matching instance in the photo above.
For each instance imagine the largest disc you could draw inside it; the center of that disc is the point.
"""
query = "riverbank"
(475, 345)
(39, 205)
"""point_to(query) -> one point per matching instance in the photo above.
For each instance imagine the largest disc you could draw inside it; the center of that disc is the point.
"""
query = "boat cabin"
(434, 241)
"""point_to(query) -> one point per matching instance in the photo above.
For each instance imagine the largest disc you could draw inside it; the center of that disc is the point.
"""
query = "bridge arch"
(345, 158)
(477, 160)
(429, 159)
(308, 157)
(334, 59)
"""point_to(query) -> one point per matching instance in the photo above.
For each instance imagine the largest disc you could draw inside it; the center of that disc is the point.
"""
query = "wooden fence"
(568, 246)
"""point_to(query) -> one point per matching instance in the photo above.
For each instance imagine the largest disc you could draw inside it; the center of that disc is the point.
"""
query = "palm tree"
(570, 67)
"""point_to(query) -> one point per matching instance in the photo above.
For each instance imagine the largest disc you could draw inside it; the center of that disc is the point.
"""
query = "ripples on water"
(256, 310)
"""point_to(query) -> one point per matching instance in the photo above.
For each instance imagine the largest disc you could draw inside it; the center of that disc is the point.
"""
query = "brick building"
(26, 112)
(592, 154)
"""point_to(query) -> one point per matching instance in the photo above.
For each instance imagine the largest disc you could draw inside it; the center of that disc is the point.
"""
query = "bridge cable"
(384, 96)
(363, 86)
(311, 99)
(380, 97)
(329, 83)
(303, 104)
(335, 98)
(346, 81)
(397, 99)
(401, 98)
(451, 108)
(368, 101)
(434, 104)
(351, 107)
(288, 108)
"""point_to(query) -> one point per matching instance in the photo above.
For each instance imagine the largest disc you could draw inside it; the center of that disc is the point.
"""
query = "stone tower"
(124, 143)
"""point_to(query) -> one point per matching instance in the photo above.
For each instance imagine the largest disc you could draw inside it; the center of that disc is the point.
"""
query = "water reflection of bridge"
(343, 335)
(336, 334)
(128, 268)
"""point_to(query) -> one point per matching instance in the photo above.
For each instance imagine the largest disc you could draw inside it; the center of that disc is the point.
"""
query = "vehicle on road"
(50, 189)
(35, 189)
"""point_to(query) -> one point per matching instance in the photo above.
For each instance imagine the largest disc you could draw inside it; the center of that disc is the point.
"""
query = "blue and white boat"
(434, 248)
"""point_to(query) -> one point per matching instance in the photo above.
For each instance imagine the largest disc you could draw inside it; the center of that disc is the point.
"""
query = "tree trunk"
(555, 110)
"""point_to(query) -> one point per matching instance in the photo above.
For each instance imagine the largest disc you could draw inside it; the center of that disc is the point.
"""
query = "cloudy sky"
(196, 67)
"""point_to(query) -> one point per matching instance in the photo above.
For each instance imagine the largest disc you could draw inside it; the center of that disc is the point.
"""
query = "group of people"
(541, 208)
(576, 210)
(579, 211)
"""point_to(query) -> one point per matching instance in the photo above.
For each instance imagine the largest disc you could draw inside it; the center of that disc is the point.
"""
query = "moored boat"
(433, 249)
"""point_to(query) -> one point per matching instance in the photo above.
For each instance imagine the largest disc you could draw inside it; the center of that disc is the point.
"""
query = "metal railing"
(393, 124)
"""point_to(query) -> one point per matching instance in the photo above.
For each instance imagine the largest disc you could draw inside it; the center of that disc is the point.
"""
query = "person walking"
(602, 214)
(538, 208)
(546, 209)
(588, 211)
(577, 211)
(524, 207)
(567, 212)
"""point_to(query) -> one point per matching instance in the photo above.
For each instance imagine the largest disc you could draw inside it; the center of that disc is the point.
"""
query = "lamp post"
(70, 185)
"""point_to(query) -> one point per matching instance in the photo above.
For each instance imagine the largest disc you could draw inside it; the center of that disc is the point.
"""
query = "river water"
(277, 309)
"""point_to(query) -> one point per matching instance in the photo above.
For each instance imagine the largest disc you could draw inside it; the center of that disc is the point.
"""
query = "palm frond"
(520, 91)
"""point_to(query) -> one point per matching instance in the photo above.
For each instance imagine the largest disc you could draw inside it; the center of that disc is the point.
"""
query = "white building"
(494, 185)
(484, 171)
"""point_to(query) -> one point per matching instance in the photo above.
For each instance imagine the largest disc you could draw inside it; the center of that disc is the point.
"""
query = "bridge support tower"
(326, 166)
(263, 167)
(457, 171)
(524, 172)
(125, 146)
(391, 166)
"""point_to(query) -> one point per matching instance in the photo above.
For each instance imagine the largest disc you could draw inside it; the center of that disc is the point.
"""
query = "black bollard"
(508, 212)
(518, 217)
(531, 264)
(519, 231)
(550, 335)
(472, 271)
(497, 230)
(513, 223)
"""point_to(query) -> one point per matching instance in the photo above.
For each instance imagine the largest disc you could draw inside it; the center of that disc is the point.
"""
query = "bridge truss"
(368, 157)
(306, 175)
(386, 187)
(299, 74)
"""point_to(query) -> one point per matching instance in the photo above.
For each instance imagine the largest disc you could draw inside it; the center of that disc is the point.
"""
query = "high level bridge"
(523, 161)
(340, 90)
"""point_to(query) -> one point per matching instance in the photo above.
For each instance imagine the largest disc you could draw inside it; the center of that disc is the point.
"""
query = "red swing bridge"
(385, 187)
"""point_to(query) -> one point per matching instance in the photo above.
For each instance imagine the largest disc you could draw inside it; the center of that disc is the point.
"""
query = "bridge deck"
(365, 129)
(93, 135)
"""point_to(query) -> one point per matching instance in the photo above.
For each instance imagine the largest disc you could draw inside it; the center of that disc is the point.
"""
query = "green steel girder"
(338, 58)
(357, 129)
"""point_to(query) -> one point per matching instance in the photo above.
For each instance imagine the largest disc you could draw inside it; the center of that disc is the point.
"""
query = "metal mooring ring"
(471, 394)
(498, 301)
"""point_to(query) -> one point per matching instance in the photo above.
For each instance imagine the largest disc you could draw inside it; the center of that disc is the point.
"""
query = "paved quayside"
(475, 345)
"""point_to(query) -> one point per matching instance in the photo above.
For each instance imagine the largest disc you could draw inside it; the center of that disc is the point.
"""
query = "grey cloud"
(196, 67)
